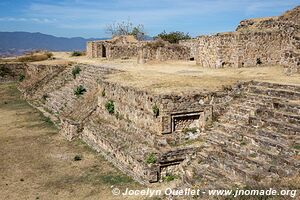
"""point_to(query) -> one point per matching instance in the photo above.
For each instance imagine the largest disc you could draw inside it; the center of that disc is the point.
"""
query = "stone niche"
(181, 121)
(191, 120)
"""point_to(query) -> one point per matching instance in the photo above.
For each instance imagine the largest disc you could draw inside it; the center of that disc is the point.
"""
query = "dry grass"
(33, 57)
(173, 78)
(181, 76)
(29, 57)
(38, 163)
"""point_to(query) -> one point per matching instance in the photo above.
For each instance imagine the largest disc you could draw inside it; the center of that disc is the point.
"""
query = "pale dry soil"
(38, 163)
(178, 76)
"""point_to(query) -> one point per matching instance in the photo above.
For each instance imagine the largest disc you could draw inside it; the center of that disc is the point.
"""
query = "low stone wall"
(109, 50)
(162, 53)
(122, 51)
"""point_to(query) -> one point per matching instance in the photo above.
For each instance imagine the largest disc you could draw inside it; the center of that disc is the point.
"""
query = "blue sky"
(88, 18)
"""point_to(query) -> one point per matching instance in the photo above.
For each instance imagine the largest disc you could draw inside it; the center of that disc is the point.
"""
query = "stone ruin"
(238, 135)
(125, 47)
(160, 50)
(118, 47)
(256, 42)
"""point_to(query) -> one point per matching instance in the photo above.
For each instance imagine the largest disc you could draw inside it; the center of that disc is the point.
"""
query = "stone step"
(265, 144)
(283, 127)
(282, 116)
(240, 132)
(234, 117)
(233, 165)
(284, 107)
(274, 92)
(269, 132)
(242, 138)
(295, 88)
(246, 151)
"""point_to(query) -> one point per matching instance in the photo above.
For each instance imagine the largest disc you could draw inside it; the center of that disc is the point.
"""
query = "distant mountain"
(16, 43)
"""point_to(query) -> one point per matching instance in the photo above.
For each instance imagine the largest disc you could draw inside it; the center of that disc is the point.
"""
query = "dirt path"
(38, 163)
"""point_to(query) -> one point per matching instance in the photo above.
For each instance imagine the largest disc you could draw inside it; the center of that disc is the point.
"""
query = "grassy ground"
(38, 163)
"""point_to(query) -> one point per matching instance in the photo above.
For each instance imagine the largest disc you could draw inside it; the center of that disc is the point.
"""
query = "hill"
(16, 43)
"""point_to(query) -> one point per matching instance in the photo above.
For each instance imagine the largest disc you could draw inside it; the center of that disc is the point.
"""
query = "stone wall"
(131, 105)
(257, 42)
(122, 51)
(242, 49)
(217, 51)
(138, 107)
(163, 52)
(106, 49)
(192, 44)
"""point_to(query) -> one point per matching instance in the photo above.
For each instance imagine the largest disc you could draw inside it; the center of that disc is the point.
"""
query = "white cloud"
(22, 19)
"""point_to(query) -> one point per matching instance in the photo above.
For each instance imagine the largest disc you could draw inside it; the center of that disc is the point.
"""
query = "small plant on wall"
(151, 159)
(155, 110)
(169, 177)
(21, 77)
(110, 106)
(80, 90)
(76, 71)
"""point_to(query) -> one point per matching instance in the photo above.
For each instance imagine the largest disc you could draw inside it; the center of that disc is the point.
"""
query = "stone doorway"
(103, 51)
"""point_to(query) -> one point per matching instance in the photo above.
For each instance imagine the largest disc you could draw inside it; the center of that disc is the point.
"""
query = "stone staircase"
(258, 137)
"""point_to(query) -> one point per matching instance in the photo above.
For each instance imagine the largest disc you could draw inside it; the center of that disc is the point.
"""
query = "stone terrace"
(260, 118)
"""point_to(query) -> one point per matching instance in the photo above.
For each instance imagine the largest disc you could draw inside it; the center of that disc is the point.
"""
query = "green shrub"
(77, 158)
(76, 70)
(296, 146)
(155, 110)
(169, 177)
(80, 90)
(173, 37)
(110, 106)
(21, 77)
(151, 159)
(77, 53)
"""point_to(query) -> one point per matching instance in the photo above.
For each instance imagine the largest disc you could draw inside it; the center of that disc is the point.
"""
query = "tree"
(138, 32)
(173, 37)
(126, 28)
